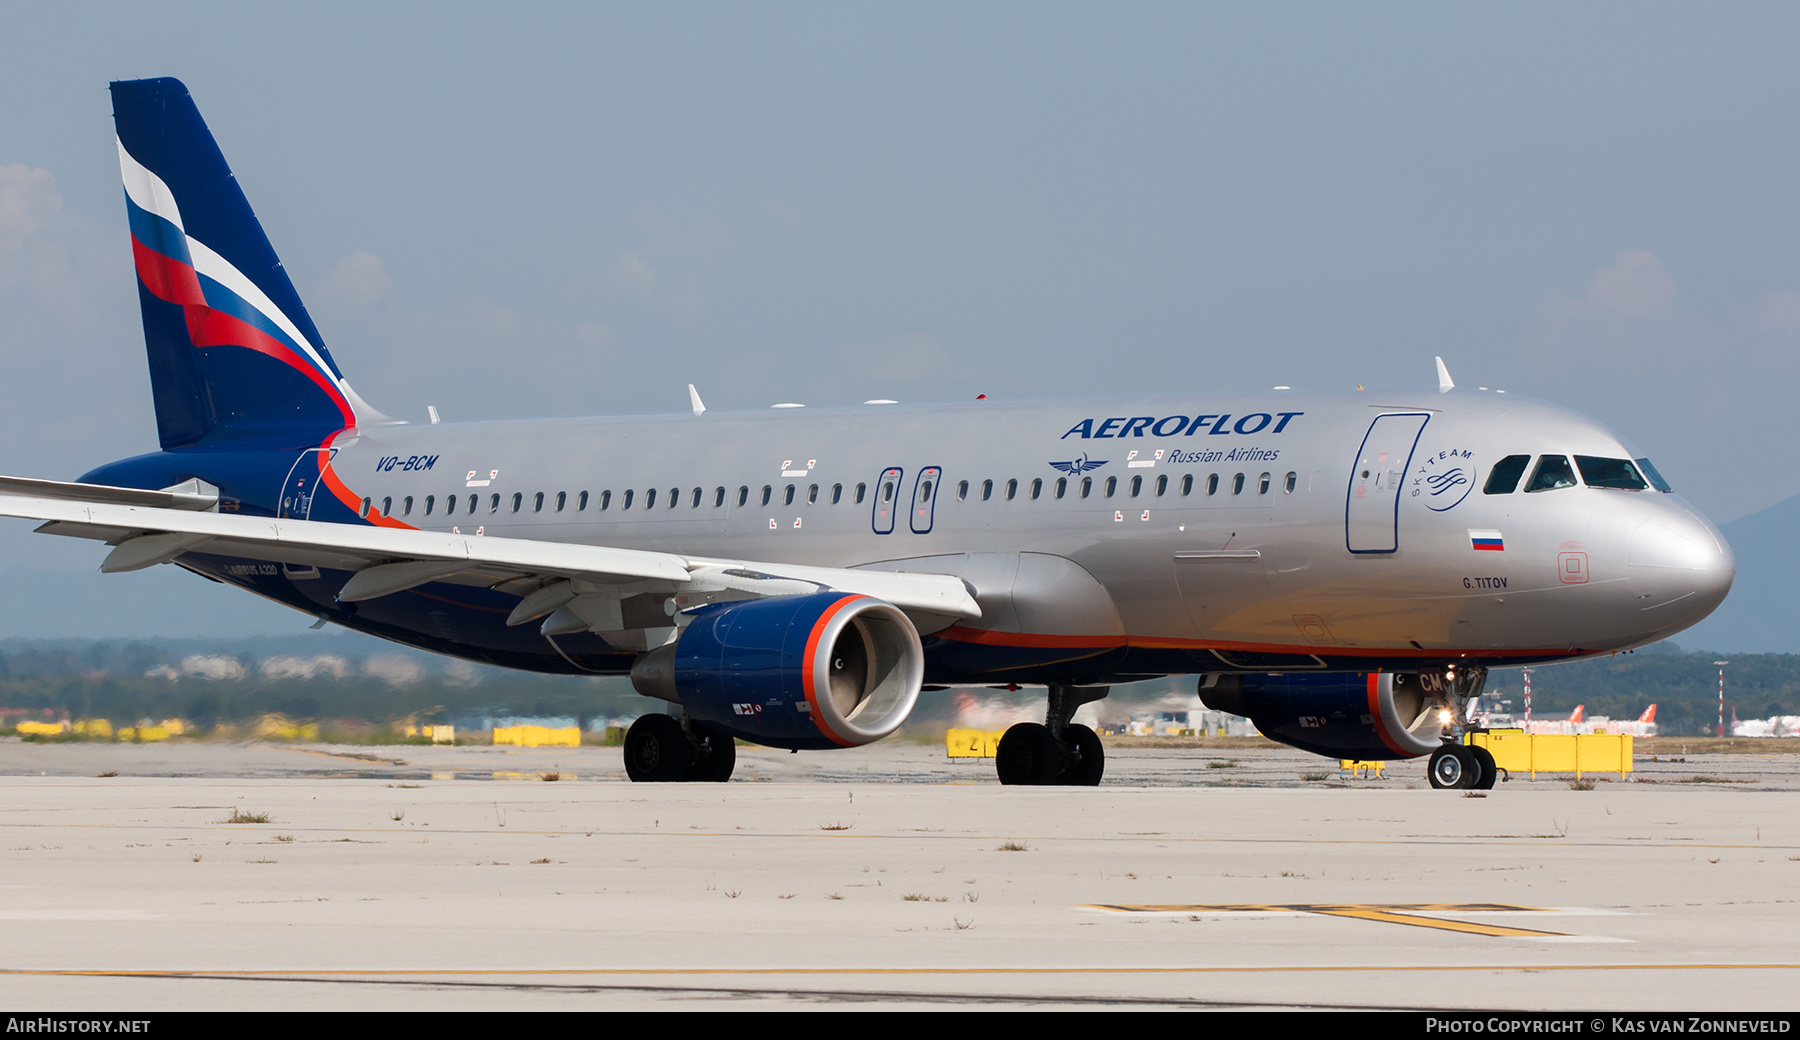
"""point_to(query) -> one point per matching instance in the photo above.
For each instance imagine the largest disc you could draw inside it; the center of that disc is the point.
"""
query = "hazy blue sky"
(565, 209)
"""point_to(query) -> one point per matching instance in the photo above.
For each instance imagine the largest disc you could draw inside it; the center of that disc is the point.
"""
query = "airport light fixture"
(1721, 665)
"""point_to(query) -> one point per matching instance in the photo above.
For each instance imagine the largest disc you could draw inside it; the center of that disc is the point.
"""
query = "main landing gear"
(1057, 752)
(1462, 766)
(658, 748)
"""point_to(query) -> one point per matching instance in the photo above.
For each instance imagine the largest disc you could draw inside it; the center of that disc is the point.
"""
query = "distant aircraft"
(1576, 716)
(1341, 566)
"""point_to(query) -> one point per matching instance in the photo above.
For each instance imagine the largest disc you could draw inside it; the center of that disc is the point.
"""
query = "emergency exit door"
(1372, 512)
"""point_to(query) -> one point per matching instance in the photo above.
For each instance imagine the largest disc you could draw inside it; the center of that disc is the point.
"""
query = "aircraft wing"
(150, 527)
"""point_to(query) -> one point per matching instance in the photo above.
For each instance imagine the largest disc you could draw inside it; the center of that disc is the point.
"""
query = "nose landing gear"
(1056, 752)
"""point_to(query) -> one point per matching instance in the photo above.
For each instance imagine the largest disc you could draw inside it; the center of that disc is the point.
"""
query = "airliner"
(1341, 566)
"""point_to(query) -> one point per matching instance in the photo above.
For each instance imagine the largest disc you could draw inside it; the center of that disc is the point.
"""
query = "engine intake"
(819, 671)
(1376, 715)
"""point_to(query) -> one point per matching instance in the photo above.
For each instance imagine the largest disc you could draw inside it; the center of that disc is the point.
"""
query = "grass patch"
(240, 816)
(1313, 778)
(1013, 846)
(836, 826)
(1230, 763)
(1581, 783)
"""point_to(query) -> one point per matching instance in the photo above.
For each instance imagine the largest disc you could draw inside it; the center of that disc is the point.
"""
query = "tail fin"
(1649, 714)
(1579, 713)
(233, 353)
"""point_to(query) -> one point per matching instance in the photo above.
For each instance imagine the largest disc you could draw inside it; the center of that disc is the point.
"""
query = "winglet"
(694, 399)
(1444, 383)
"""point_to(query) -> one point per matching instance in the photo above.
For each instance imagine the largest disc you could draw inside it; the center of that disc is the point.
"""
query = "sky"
(572, 209)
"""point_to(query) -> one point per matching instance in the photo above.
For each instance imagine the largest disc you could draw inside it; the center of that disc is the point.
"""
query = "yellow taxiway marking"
(1390, 913)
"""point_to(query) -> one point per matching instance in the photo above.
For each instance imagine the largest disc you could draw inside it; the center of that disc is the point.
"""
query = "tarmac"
(451, 878)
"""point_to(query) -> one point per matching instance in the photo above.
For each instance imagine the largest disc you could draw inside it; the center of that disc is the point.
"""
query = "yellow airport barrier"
(538, 736)
(1372, 770)
(1532, 753)
(94, 728)
(436, 734)
(278, 727)
(41, 729)
(971, 743)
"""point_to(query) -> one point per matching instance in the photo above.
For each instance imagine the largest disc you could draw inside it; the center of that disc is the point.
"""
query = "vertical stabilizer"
(233, 353)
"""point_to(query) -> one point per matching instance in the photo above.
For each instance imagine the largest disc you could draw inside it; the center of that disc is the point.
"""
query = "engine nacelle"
(1375, 715)
(826, 670)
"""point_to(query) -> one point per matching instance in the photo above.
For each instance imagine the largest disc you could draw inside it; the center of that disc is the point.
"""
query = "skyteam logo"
(1445, 479)
(1079, 466)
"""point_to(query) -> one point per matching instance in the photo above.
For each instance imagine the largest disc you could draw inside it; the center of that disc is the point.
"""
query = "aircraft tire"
(657, 750)
(716, 764)
(1489, 771)
(1452, 768)
(1027, 755)
(1089, 761)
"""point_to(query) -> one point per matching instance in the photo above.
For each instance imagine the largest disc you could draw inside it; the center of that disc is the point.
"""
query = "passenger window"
(407, 506)
(1062, 486)
(1212, 484)
(474, 503)
(962, 491)
(429, 500)
(743, 496)
(767, 491)
(674, 497)
(837, 492)
(387, 506)
(861, 490)
(887, 491)
(1087, 486)
(562, 499)
(1137, 485)
(695, 503)
(1262, 484)
(581, 502)
(1112, 486)
(494, 504)
(987, 490)
(1162, 485)
(718, 498)
(1037, 488)
(1656, 479)
(1553, 471)
(650, 498)
(1237, 484)
(787, 497)
(1012, 489)
(624, 504)
(924, 490)
(1287, 486)
(537, 503)
(1618, 474)
(605, 500)
(812, 495)
(518, 500)
(449, 505)
(1503, 479)
(364, 511)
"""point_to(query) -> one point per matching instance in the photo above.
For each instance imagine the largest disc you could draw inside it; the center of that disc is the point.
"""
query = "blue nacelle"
(1373, 715)
(820, 671)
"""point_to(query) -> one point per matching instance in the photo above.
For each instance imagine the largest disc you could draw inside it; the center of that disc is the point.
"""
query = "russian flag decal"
(1486, 540)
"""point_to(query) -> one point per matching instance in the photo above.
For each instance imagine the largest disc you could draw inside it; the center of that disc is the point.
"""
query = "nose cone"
(1681, 568)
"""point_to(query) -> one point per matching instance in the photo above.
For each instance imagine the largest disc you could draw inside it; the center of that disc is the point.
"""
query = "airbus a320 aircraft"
(1340, 566)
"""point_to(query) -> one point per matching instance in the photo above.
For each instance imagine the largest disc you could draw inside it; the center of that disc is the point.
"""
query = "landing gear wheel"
(715, 763)
(657, 750)
(1027, 755)
(1489, 771)
(1089, 759)
(1452, 767)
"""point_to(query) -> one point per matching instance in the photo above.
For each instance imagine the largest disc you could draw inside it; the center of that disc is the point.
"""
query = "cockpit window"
(1553, 471)
(1503, 479)
(1609, 473)
(1656, 479)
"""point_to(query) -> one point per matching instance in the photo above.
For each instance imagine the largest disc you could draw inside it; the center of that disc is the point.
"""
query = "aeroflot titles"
(1178, 425)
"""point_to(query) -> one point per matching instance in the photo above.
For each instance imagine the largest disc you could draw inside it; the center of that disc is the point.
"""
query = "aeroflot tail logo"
(1180, 425)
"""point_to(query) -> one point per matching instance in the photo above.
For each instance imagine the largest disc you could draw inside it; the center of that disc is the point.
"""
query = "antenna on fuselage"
(1445, 385)
(694, 399)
